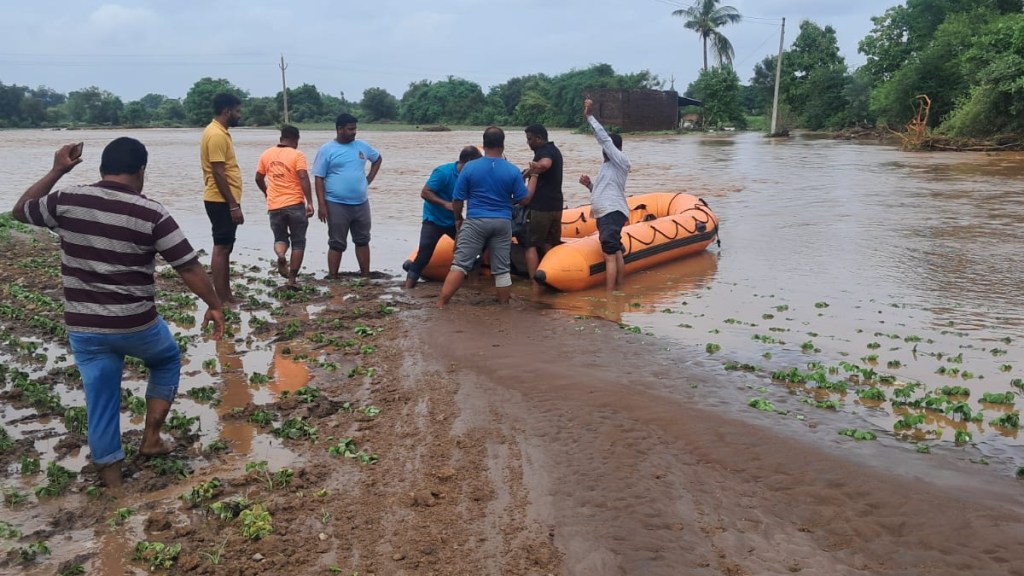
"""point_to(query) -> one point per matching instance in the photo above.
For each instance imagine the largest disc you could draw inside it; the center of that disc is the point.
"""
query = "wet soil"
(512, 440)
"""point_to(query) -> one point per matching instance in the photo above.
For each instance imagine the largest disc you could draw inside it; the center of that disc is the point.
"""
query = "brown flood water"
(830, 252)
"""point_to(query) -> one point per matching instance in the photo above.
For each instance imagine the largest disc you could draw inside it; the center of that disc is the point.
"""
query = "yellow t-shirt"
(281, 166)
(216, 146)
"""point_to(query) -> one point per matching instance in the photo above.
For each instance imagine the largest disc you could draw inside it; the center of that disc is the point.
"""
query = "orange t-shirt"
(281, 166)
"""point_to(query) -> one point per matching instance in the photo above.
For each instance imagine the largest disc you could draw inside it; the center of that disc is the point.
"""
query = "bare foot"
(409, 284)
(110, 475)
(282, 266)
(157, 448)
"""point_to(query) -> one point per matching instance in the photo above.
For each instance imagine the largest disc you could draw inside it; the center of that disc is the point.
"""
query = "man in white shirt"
(608, 199)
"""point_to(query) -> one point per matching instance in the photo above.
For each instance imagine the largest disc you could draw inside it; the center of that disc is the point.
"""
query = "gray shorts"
(495, 234)
(289, 226)
(343, 218)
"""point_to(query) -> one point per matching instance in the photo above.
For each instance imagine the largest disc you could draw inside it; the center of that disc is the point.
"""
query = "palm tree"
(705, 17)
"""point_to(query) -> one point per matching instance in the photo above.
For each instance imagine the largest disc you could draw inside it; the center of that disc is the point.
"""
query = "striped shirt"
(109, 237)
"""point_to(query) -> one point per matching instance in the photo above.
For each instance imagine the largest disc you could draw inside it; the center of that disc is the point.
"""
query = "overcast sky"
(132, 48)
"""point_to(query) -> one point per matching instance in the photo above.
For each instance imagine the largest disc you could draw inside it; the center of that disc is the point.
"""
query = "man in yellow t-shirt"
(223, 193)
(283, 176)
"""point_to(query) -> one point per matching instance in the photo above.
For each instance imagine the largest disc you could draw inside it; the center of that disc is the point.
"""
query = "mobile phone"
(76, 151)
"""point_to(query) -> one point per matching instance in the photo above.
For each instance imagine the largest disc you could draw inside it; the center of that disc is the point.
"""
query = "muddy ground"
(511, 440)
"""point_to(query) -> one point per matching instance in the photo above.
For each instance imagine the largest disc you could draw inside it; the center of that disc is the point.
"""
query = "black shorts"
(609, 230)
(222, 225)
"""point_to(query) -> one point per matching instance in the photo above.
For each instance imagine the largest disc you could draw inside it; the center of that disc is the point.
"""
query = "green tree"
(11, 98)
(170, 113)
(705, 17)
(935, 71)
(136, 115)
(94, 106)
(904, 32)
(816, 77)
(305, 103)
(261, 111)
(719, 90)
(450, 101)
(378, 104)
(994, 66)
(335, 105)
(199, 99)
(152, 101)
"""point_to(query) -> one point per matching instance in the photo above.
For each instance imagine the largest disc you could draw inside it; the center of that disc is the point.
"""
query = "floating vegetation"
(858, 434)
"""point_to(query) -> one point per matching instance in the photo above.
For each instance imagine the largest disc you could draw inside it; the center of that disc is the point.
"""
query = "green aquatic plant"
(58, 480)
(762, 404)
(308, 393)
(203, 393)
(75, 420)
(180, 424)
(262, 417)
(202, 493)
(909, 421)
(923, 449)
(257, 522)
(294, 429)
(711, 348)
(258, 378)
(998, 397)
(230, 508)
(955, 391)
(121, 515)
(29, 553)
(157, 554)
(1009, 420)
(872, 394)
(962, 437)
(858, 434)
(170, 467)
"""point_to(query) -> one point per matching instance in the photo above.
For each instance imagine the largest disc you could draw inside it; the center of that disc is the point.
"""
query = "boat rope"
(700, 225)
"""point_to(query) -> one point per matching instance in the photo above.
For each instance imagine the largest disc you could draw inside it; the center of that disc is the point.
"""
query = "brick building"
(638, 110)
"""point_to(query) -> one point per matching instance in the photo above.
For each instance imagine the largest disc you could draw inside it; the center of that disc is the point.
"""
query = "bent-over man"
(438, 218)
(490, 185)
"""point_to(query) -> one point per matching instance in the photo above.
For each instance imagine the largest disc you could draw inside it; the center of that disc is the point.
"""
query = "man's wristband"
(236, 208)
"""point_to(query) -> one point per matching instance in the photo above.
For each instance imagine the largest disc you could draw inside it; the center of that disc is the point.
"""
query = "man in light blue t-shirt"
(341, 186)
(438, 218)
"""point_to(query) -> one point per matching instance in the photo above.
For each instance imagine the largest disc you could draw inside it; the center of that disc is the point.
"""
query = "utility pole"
(778, 77)
(284, 88)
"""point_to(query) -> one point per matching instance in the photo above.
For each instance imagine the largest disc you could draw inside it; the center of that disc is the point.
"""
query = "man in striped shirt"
(110, 235)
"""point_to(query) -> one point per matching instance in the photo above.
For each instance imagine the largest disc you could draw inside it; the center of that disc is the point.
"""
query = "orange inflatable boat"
(662, 226)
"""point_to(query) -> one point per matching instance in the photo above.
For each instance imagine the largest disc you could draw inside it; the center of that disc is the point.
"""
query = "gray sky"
(132, 48)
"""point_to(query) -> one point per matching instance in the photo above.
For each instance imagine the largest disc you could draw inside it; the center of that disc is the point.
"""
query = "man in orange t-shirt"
(282, 174)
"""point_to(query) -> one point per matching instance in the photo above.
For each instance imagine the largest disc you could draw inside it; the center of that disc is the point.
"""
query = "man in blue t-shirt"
(341, 186)
(438, 218)
(490, 185)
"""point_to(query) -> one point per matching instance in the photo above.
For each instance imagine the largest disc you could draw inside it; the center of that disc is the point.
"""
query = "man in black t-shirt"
(544, 229)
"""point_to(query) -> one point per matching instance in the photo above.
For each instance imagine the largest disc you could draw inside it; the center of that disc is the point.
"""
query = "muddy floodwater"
(839, 262)
(830, 250)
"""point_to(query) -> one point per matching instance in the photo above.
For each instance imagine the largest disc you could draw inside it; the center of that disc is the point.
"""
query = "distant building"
(639, 110)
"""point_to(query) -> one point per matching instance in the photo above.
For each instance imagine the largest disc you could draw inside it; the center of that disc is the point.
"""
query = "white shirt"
(608, 193)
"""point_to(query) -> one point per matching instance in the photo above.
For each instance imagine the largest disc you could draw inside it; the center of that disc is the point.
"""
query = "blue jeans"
(100, 359)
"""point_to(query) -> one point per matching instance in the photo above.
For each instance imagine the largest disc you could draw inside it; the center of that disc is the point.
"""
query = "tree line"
(552, 100)
(966, 56)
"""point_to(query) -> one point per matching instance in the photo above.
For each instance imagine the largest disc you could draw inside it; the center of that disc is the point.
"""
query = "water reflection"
(668, 283)
(235, 395)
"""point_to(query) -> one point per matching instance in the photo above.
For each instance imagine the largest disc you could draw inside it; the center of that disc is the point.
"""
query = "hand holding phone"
(76, 151)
